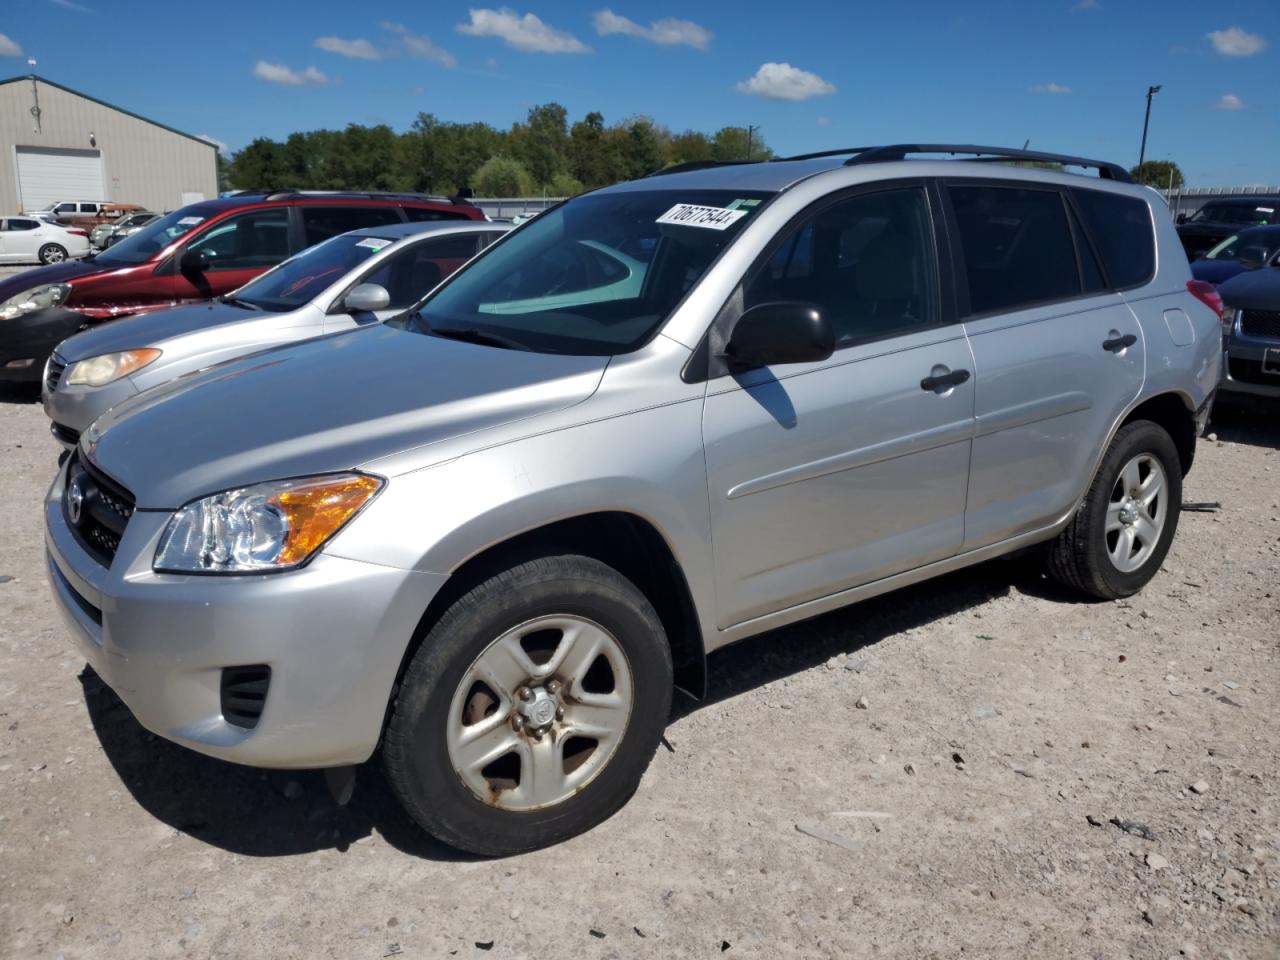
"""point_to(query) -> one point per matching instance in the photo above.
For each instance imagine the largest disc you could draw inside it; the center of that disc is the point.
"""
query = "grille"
(53, 376)
(244, 692)
(104, 510)
(65, 434)
(1260, 323)
(1250, 371)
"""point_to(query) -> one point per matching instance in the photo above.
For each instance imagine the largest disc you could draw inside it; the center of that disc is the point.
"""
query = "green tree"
(1157, 173)
(563, 185)
(689, 146)
(589, 158)
(502, 177)
(542, 143)
(731, 143)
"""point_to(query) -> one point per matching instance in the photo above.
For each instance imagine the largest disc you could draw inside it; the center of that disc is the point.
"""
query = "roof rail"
(698, 165)
(288, 194)
(1106, 170)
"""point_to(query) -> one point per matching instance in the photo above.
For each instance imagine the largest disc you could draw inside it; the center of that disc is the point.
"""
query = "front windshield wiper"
(472, 335)
(237, 302)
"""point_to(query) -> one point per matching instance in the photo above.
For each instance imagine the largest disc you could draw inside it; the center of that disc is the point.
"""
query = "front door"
(237, 250)
(827, 475)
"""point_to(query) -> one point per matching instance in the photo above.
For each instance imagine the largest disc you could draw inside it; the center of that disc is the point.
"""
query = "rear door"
(1059, 355)
(826, 475)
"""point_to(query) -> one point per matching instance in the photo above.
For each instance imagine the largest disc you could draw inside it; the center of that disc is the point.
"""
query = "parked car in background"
(360, 277)
(61, 211)
(1247, 250)
(1252, 325)
(489, 540)
(105, 234)
(197, 253)
(1219, 219)
(27, 240)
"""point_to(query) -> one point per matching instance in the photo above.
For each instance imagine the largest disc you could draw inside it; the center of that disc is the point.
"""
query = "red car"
(200, 252)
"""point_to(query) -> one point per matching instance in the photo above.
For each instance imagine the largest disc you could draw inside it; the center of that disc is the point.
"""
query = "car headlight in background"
(267, 527)
(37, 298)
(109, 367)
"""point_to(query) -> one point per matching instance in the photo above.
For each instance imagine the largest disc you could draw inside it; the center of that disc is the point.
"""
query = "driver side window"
(251, 241)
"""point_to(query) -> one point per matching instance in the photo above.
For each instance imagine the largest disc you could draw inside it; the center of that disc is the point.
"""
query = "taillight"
(1207, 294)
(77, 233)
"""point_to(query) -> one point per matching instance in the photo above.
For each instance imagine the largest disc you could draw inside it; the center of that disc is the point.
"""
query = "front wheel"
(1119, 537)
(52, 253)
(531, 708)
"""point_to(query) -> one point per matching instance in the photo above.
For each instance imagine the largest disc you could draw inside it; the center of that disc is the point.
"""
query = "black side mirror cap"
(773, 333)
(1182, 218)
(193, 261)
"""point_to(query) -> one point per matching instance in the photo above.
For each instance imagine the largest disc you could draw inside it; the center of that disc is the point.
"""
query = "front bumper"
(27, 341)
(333, 633)
(1242, 369)
(74, 407)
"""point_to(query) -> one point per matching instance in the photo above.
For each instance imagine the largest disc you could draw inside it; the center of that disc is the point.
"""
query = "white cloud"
(824, 121)
(69, 5)
(1088, 5)
(1050, 88)
(1235, 42)
(1229, 101)
(527, 33)
(279, 73)
(9, 48)
(221, 145)
(782, 81)
(417, 45)
(358, 49)
(668, 31)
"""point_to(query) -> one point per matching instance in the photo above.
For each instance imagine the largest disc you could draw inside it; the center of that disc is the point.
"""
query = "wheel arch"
(1174, 412)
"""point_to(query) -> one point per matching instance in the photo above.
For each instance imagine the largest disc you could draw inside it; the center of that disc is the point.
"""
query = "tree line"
(544, 155)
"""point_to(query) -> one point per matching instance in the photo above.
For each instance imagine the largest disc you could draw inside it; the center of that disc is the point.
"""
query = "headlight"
(271, 526)
(38, 298)
(99, 371)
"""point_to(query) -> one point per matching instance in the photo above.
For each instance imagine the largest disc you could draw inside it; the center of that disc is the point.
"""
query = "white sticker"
(189, 221)
(692, 215)
(1266, 209)
(373, 243)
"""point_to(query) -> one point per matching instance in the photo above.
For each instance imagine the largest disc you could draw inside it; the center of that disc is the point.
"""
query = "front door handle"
(938, 382)
(1116, 343)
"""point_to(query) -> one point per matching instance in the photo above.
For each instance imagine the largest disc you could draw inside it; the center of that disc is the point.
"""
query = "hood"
(1215, 271)
(321, 406)
(54, 273)
(151, 329)
(1253, 290)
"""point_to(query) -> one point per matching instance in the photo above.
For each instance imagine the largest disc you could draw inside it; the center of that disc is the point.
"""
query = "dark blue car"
(1247, 250)
(1252, 326)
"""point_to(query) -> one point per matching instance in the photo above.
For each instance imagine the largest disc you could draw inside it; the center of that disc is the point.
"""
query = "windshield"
(595, 276)
(303, 277)
(1242, 213)
(1248, 244)
(156, 236)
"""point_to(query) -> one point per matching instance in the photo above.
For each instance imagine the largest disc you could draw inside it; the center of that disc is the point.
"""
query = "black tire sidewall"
(1133, 440)
(48, 247)
(417, 752)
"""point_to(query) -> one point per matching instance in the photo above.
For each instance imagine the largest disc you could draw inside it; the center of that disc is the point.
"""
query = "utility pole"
(1142, 151)
(35, 97)
(750, 130)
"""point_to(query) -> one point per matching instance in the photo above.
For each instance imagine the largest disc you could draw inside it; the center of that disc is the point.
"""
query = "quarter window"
(321, 223)
(1016, 246)
(1121, 229)
(867, 262)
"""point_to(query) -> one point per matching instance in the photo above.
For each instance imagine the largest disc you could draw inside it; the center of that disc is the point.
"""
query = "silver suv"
(486, 539)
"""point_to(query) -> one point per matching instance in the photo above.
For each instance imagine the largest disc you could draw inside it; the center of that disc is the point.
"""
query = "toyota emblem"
(75, 501)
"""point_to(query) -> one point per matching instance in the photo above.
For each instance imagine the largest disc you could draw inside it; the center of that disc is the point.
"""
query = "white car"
(27, 240)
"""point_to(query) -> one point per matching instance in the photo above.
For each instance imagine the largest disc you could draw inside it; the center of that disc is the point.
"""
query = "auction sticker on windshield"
(692, 215)
(373, 243)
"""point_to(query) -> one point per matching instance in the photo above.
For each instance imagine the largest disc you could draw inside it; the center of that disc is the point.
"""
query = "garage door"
(46, 174)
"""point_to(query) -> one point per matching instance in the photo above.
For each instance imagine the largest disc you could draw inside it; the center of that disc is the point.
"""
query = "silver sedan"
(360, 277)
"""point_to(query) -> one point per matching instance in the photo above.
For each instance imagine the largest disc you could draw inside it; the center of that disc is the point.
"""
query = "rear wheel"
(53, 253)
(531, 709)
(1119, 537)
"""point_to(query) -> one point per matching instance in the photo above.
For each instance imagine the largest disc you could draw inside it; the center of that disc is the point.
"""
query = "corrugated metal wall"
(141, 162)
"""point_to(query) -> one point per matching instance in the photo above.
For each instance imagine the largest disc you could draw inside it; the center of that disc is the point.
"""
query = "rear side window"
(321, 223)
(419, 214)
(1122, 233)
(1016, 246)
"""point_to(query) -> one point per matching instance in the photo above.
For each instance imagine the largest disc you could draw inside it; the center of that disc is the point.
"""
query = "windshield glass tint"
(1236, 213)
(296, 281)
(151, 239)
(597, 275)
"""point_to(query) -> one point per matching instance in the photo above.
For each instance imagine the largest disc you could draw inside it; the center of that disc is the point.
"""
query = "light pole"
(750, 130)
(1142, 151)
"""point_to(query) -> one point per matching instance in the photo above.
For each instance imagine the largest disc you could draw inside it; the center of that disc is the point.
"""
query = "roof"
(110, 106)
(398, 231)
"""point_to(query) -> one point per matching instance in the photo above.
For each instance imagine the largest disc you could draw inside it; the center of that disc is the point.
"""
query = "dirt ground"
(934, 773)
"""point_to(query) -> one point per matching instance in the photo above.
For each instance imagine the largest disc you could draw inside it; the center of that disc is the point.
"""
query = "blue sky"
(1070, 75)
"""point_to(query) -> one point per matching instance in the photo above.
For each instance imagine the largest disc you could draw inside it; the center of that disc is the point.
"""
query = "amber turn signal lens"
(316, 509)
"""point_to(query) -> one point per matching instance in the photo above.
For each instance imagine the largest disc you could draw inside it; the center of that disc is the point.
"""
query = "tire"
(495, 810)
(1088, 557)
(52, 253)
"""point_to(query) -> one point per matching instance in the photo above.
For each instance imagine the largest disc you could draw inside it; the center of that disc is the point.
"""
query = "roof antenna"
(1026, 143)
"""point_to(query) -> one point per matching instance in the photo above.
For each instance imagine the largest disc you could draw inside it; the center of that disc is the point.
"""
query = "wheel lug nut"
(517, 722)
(560, 712)
(553, 687)
(524, 693)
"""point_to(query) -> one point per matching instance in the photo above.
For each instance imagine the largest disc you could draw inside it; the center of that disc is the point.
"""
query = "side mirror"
(366, 298)
(772, 333)
(1182, 218)
(193, 261)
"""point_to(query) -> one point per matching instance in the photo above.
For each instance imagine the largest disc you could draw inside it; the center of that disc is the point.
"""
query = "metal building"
(60, 144)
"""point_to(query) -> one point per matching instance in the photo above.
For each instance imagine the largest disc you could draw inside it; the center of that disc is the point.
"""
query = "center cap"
(1128, 513)
(540, 710)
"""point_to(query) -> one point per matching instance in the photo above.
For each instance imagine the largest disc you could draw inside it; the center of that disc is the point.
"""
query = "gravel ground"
(936, 772)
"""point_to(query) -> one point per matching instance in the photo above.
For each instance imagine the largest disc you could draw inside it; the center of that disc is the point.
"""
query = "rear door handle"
(1117, 343)
(945, 380)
